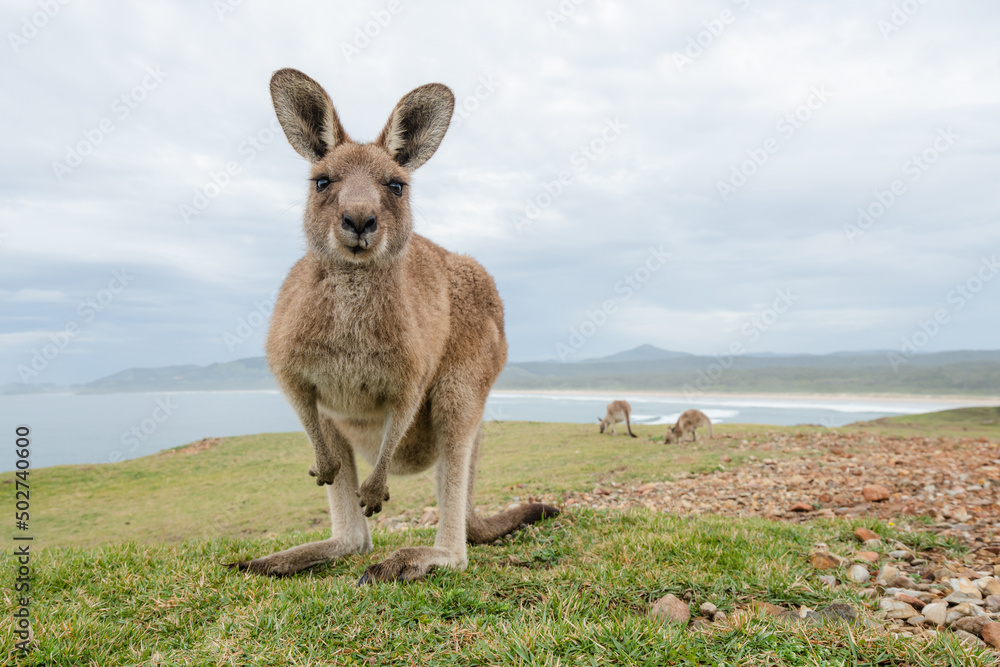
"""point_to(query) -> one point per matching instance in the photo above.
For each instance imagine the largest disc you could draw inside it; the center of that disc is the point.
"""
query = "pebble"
(943, 574)
(828, 580)
(960, 598)
(900, 581)
(699, 623)
(874, 493)
(957, 612)
(895, 609)
(868, 556)
(963, 585)
(671, 609)
(768, 608)
(989, 586)
(972, 624)
(968, 639)
(801, 507)
(858, 574)
(992, 602)
(936, 612)
(865, 535)
(922, 596)
(917, 620)
(887, 574)
(916, 603)
(707, 609)
(991, 634)
(824, 560)
(720, 617)
(837, 610)
(900, 555)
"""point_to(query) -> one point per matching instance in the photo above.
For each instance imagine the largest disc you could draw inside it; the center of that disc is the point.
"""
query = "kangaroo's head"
(674, 433)
(358, 209)
(603, 423)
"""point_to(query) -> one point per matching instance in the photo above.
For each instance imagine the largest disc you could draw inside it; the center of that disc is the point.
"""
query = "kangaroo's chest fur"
(362, 340)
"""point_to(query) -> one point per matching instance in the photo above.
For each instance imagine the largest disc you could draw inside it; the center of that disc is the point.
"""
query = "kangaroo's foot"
(412, 563)
(296, 559)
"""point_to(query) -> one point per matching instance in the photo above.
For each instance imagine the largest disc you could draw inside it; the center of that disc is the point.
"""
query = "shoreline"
(971, 401)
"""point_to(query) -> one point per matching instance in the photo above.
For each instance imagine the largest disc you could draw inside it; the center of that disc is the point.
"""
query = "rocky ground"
(947, 486)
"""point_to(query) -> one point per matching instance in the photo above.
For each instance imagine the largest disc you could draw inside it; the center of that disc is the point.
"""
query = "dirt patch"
(953, 482)
(194, 448)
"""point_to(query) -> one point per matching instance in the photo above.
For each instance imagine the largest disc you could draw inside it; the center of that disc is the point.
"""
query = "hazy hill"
(642, 368)
(251, 373)
(964, 372)
(641, 353)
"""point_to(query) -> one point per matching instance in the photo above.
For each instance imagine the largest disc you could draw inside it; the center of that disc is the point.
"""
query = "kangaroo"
(688, 422)
(618, 411)
(384, 343)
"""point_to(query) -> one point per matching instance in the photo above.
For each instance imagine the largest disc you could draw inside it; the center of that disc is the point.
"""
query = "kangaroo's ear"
(417, 125)
(306, 114)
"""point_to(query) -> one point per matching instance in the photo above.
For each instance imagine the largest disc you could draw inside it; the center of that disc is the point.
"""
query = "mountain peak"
(644, 352)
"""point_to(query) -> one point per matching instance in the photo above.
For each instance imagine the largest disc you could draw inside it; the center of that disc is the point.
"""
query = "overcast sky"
(713, 158)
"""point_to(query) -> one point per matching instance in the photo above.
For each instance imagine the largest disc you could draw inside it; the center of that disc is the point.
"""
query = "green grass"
(983, 422)
(254, 486)
(573, 591)
(128, 564)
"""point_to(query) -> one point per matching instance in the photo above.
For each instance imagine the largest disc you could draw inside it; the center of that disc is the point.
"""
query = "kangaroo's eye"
(322, 184)
(396, 187)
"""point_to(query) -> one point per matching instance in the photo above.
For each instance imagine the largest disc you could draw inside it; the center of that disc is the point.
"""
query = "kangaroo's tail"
(484, 530)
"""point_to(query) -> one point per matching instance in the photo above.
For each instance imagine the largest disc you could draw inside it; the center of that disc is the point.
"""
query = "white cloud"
(550, 92)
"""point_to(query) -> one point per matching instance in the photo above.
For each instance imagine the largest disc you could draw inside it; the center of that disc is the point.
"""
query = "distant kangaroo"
(688, 422)
(618, 411)
(384, 343)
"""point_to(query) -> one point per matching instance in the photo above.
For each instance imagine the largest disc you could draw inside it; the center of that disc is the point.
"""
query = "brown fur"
(618, 411)
(688, 422)
(384, 343)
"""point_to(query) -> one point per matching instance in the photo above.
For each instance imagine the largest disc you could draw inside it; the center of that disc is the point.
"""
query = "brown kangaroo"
(618, 411)
(384, 343)
(688, 422)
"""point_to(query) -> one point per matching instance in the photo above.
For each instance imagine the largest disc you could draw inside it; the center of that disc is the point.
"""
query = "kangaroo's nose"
(351, 224)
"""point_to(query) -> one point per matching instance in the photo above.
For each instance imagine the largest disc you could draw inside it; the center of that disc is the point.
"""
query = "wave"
(847, 405)
(717, 417)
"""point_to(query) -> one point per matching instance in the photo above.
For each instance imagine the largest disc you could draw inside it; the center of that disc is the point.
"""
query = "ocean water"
(102, 428)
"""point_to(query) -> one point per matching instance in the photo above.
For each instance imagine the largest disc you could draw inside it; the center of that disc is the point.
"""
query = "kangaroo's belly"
(364, 430)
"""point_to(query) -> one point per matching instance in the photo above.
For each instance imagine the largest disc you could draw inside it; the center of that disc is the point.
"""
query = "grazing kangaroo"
(618, 411)
(688, 422)
(384, 343)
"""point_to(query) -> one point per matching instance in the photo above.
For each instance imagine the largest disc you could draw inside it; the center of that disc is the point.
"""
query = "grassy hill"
(128, 564)
(253, 486)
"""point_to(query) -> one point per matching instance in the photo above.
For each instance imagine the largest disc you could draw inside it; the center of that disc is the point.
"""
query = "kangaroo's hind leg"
(349, 530)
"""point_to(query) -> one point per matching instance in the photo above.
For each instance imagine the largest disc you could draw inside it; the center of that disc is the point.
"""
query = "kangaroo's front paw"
(324, 473)
(373, 493)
